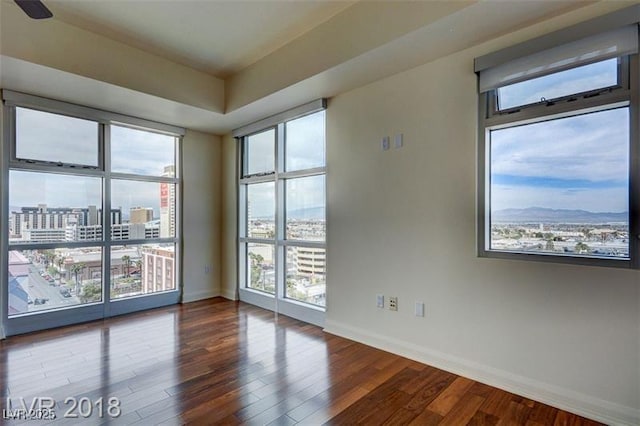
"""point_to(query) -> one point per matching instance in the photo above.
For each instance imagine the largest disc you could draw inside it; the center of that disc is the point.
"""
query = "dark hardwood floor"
(222, 362)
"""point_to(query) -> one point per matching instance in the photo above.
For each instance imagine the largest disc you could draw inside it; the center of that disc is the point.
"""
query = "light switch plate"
(386, 143)
(399, 142)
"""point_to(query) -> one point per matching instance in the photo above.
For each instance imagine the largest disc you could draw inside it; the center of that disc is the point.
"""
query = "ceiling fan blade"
(34, 9)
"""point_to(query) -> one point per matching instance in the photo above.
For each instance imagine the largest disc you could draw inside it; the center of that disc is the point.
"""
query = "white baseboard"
(229, 294)
(199, 295)
(565, 399)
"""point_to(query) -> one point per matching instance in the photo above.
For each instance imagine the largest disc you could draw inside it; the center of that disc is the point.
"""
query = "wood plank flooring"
(223, 362)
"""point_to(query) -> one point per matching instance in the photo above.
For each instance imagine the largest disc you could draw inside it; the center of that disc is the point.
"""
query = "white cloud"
(590, 147)
(140, 152)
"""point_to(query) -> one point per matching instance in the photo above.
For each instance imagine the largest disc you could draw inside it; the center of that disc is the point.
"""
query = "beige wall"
(229, 218)
(351, 33)
(58, 45)
(202, 215)
(403, 223)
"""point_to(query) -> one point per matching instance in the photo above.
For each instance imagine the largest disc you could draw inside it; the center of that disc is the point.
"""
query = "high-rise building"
(140, 214)
(158, 269)
(311, 262)
(52, 220)
(168, 205)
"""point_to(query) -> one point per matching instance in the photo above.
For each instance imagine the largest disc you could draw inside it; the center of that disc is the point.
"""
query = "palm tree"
(581, 248)
(127, 261)
(49, 255)
(256, 269)
(59, 262)
(75, 268)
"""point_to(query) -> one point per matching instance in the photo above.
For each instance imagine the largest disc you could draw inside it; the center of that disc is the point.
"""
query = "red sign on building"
(164, 195)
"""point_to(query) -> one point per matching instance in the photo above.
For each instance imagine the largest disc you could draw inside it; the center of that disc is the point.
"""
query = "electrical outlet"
(380, 301)
(393, 303)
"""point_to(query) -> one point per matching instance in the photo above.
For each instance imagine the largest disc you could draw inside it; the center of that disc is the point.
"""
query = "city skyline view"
(76, 141)
(587, 171)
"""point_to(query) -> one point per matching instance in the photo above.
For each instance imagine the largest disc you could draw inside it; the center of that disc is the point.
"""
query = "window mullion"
(280, 198)
(543, 112)
(634, 161)
(106, 218)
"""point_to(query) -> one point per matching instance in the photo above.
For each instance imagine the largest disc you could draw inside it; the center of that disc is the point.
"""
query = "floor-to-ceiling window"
(282, 215)
(90, 213)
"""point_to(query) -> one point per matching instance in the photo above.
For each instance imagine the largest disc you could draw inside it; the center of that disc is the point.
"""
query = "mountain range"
(545, 215)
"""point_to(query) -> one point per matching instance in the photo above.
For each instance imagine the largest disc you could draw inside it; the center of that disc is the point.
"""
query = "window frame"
(280, 242)
(490, 118)
(13, 148)
(20, 323)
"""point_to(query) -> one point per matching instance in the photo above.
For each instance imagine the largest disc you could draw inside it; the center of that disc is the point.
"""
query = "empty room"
(313, 212)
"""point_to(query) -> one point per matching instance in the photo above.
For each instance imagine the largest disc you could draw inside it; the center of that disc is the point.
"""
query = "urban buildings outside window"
(283, 214)
(80, 232)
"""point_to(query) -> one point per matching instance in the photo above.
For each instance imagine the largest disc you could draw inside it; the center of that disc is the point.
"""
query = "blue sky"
(305, 148)
(577, 80)
(573, 163)
(49, 137)
(302, 193)
(53, 137)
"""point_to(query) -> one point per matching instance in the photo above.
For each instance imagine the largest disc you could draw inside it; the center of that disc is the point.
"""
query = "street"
(39, 288)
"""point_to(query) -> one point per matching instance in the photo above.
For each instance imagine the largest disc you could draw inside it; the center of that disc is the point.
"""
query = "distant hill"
(316, 213)
(306, 214)
(544, 215)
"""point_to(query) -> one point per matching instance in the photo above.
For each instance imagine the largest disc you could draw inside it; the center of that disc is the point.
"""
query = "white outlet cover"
(419, 309)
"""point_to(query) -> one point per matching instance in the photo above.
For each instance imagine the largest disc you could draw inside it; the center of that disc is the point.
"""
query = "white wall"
(402, 223)
(202, 215)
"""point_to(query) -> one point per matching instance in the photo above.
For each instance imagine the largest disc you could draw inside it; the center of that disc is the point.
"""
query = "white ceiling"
(270, 54)
(215, 36)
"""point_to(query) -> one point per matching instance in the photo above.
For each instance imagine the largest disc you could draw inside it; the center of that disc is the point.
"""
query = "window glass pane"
(261, 210)
(261, 274)
(142, 269)
(43, 280)
(141, 152)
(148, 209)
(45, 207)
(576, 80)
(305, 214)
(305, 139)
(306, 275)
(561, 186)
(259, 151)
(43, 136)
